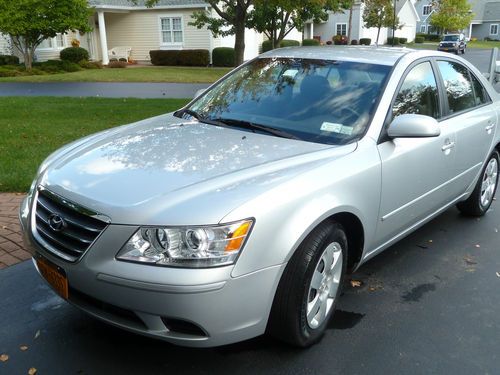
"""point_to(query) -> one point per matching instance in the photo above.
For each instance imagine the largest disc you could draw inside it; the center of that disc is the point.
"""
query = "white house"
(338, 23)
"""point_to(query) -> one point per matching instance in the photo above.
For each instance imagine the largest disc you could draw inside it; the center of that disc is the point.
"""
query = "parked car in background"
(453, 43)
(242, 212)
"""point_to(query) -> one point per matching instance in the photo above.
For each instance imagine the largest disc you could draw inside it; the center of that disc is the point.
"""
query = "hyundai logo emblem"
(56, 222)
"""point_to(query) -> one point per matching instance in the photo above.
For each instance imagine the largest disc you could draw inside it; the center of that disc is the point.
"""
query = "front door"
(415, 171)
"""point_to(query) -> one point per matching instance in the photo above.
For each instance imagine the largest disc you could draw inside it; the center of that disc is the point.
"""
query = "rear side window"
(418, 93)
(480, 92)
(458, 86)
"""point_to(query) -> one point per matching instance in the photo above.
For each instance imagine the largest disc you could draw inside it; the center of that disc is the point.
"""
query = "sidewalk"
(11, 243)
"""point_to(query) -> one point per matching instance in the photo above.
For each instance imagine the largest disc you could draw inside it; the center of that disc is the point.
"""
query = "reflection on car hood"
(165, 168)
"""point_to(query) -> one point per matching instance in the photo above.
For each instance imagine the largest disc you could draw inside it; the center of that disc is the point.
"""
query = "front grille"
(64, 228)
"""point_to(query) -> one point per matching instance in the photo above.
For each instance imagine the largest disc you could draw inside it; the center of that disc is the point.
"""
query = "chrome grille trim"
(82, 226)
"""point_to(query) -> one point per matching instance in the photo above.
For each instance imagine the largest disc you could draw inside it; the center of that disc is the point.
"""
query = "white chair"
(119, 53)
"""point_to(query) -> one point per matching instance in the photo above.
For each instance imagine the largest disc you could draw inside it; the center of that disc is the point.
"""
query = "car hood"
(182, 172)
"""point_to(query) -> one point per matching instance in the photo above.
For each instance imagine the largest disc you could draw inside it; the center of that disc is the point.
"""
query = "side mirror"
(413, 126)
(199, 92)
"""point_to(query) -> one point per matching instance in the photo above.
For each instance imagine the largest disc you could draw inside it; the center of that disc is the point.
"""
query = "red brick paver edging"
(11, 243)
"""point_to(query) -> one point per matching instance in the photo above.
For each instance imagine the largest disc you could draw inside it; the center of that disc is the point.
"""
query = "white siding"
(4, 45)
(408, 19)
(140, 30)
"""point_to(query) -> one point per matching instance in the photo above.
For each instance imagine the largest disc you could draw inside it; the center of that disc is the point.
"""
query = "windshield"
(450, 38)
(313, 100)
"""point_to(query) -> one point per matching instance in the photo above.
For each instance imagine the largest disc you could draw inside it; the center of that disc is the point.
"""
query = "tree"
(277, 18)
(379, 13)
(29, 22)
(233, 15)
(451, 14)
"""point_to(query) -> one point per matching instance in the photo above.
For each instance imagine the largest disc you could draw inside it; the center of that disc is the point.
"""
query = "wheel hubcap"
(489, 182)
(324, 285)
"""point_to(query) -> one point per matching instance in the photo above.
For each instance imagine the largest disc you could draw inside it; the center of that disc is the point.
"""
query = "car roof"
(365, 54)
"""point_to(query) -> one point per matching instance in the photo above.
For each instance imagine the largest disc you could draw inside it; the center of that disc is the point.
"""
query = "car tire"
(463, 51)
(310, 287)
(481, 198)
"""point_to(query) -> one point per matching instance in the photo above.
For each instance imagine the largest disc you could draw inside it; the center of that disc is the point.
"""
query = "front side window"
(171, 30)
(418, 93)
(426, 10)
(494, 29)
(321, 101)
(422, 28)
(458, 86)
(342, 29)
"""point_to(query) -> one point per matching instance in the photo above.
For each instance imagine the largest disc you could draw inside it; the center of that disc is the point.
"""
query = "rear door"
(470, 112)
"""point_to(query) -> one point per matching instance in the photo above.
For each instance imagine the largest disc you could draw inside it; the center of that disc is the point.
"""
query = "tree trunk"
(378, 34)
(239, 41)
(28, 57)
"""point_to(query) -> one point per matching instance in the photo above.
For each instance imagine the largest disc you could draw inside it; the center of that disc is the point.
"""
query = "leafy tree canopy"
(451, 15)
(379, 13)
(29, 22)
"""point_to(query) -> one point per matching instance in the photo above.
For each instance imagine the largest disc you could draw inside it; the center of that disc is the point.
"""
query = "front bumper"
(191, 307)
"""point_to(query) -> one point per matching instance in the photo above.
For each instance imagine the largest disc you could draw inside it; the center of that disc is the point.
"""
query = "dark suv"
(453, 43)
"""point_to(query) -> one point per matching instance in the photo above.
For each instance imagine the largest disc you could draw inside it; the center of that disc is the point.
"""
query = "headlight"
(200, 246)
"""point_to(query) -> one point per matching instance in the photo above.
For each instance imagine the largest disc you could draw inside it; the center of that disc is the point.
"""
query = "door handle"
(447, 146)
(489, 127)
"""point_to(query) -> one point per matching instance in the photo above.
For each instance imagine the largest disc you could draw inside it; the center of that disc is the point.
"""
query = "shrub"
(7, 72)
(419, 39)
(90, 64)
(9, 60)
(57, 66)
(289, 43)
(339, 40)
(473, 39)
(223, 56)
(390, 40)
(266, 45)
(365, 41)
(354, 42)
(185, 57)
(310, 42)
(403, 40)
(117, 64)
(74, 54)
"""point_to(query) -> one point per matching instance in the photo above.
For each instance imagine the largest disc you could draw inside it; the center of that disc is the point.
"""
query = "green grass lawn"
(32, 127)
(136, 74)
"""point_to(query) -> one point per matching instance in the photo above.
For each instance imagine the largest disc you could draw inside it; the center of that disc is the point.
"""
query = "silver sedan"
(242, 212)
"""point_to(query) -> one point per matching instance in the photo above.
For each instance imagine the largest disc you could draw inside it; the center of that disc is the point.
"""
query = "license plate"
(445, 49)
(55, 276)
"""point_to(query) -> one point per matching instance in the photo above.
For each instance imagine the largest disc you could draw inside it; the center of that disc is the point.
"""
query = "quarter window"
(418, 93)
(171, 30)
(480, 92)
(458, 86)
(342, 29)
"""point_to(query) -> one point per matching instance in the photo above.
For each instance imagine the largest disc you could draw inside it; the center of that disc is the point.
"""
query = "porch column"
(102, 35)
(311, 31)
(470, 30)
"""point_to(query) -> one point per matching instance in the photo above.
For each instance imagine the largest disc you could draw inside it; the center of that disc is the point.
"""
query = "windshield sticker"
(336, 128)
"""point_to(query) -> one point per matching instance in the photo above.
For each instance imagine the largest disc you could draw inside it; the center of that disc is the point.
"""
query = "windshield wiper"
(186, 111)
(252, 126)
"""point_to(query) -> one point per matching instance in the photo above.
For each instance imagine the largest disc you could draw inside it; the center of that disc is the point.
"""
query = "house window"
(422, 29)
(494, 29)
(171, 30)
(58, 42)
(426, 10)
(341, 29)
